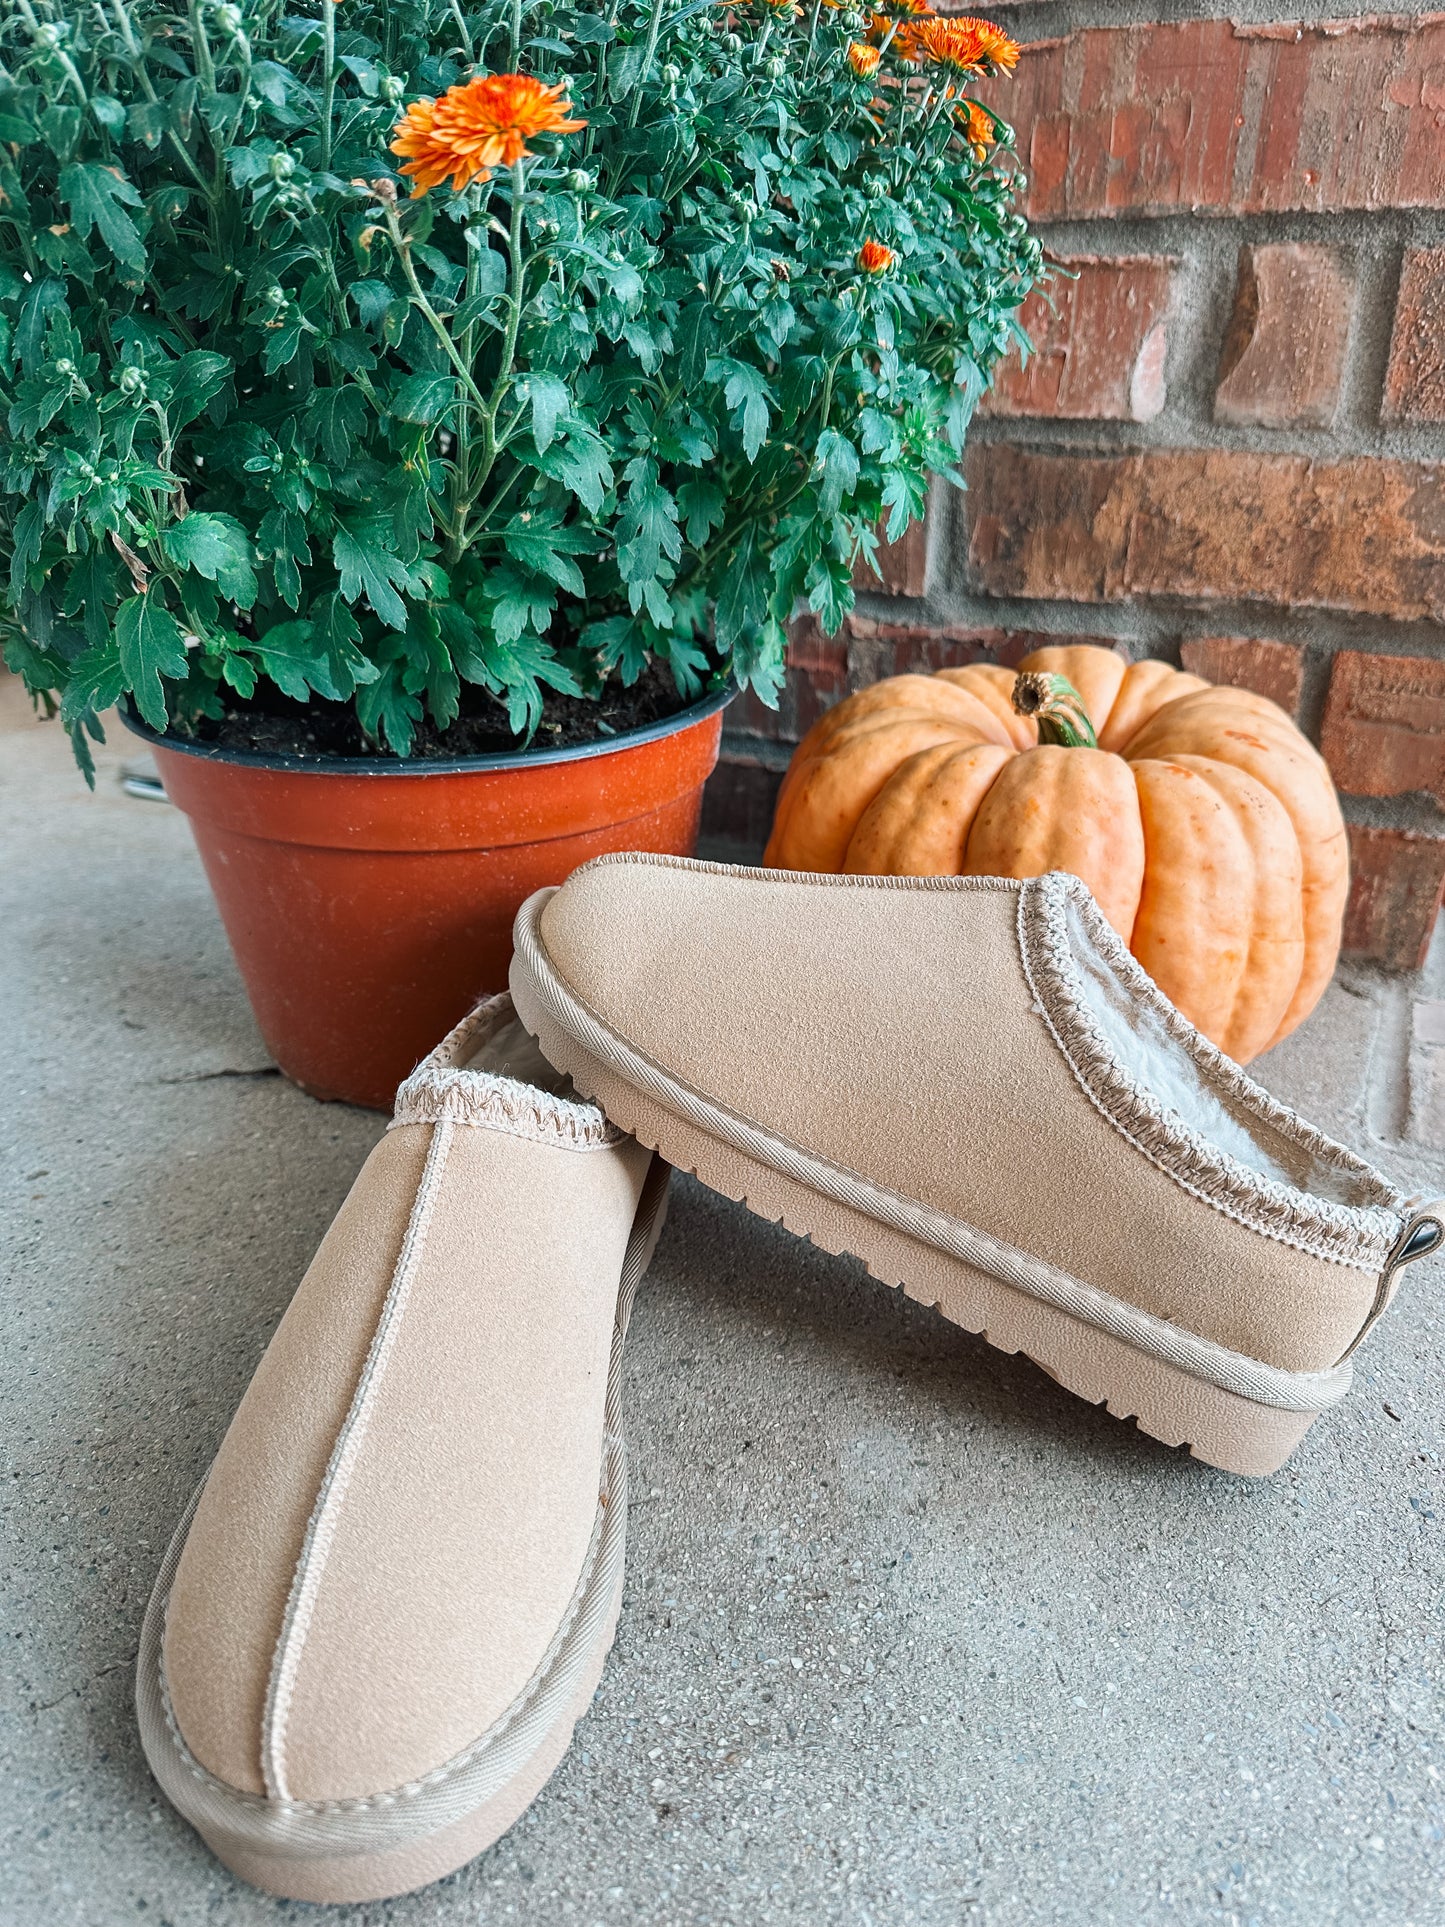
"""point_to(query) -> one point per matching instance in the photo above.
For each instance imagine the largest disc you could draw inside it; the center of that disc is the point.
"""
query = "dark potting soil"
(274, 725)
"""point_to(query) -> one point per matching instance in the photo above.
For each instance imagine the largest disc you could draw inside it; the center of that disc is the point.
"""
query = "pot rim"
(505, 759)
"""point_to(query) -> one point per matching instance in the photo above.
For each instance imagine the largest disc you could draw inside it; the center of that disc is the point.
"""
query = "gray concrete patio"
(910, 1636)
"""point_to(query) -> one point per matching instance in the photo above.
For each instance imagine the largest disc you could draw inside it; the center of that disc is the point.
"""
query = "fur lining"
(1359, 1235)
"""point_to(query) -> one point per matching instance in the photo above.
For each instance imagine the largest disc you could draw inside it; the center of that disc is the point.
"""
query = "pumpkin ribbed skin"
(1204, 823)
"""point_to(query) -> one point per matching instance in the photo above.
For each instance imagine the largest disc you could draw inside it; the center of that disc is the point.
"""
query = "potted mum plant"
(422, 416)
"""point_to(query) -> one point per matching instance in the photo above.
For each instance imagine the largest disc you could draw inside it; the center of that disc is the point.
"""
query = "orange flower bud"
(874, 258)
(976, 125)
(863, 60)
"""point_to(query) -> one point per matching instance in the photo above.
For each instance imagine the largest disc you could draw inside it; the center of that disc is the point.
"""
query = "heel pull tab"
(1420, 1237)
(1424, 1232)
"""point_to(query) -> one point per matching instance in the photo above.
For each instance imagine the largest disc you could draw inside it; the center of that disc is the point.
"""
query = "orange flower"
(473, 128)
(976, 124)
(1000, 50)
(965, 45)
(863, 60)
(874, 258)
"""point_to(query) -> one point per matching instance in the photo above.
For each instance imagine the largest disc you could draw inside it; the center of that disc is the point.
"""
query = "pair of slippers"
(391, 1599)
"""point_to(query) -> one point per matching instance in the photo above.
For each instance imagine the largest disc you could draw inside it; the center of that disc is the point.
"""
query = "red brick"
(903, 565)
(1284, 351)
(1224, 118)
(1384, 725)
(1099, 342)
(1359, 533)
(1415, 378)
(1273, 669)
(1397, 880)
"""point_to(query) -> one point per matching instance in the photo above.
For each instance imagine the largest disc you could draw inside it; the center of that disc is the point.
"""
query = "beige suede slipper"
(391, 1599)
(969, 1083)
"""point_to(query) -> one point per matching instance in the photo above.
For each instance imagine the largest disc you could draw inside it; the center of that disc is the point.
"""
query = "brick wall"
(1228, 448)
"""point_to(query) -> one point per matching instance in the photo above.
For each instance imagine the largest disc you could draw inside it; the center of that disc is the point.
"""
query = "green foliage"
(628, 399)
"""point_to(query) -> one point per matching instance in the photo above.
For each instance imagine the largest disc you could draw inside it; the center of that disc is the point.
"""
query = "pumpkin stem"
(1057, 707)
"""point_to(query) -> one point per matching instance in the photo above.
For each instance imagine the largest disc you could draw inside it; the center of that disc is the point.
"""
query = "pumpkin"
(1205, 824)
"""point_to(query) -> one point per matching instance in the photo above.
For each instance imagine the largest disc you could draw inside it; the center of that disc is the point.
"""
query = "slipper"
(969, 1083)
(391, 1599)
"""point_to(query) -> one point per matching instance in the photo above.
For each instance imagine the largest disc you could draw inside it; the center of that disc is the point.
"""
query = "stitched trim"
(325, 1514)
(1361, 1237)
(1214, 1364)
(384, 1821)
(822, 879)
(437, 1091)
(502, 1104)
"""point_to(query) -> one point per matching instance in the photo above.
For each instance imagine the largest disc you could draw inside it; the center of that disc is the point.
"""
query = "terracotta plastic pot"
(369, 904)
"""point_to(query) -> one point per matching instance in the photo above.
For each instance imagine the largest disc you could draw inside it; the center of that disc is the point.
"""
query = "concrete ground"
(910, 1635)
